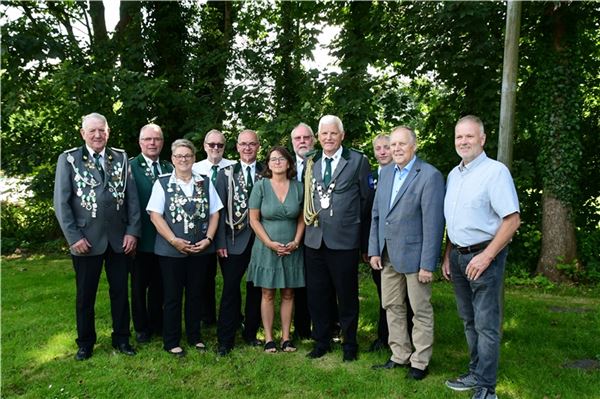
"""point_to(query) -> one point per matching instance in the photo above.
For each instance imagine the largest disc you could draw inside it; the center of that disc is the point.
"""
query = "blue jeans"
(479, 307)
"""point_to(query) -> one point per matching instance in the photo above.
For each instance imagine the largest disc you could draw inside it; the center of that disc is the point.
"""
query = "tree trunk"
(128, 34)
(98, 21)
(561, 143)
(558, 238)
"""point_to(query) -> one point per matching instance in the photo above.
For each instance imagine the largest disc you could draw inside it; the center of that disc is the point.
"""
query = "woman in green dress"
(276, 218)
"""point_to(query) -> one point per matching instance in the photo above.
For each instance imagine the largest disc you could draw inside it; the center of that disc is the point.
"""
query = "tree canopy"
(191, 67)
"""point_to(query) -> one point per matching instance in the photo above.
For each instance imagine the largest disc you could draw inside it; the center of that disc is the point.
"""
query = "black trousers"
(209, 303)
(146, 293)
(326, 267)
(301, 314)
(382, 326)
(233, 268)
(87, 276)
(179, 275)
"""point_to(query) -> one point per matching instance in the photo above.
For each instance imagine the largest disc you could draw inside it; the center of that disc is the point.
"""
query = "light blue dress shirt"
(478, 196)
(400, 177)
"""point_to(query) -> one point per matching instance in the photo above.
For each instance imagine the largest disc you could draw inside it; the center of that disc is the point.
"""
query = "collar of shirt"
(335, 159)
(252, 168)
(223, 163)
(406, 170)
(92, 152)
(473, 164)
(335, 156)
(149, 162)
(195, 177)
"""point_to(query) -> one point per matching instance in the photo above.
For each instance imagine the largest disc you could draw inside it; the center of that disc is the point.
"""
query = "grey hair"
(153, 126)
(93, 115)
(249, 131)
(413, 135)
(331, 120)
(183, 143)
(474, 119)
(304, 125)
(214, 131)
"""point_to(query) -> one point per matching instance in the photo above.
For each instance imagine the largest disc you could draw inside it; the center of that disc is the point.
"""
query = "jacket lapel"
(340, 166)
(409, 179)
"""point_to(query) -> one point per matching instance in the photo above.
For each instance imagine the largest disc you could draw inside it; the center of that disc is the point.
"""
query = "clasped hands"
(282, 249)
(187, 247)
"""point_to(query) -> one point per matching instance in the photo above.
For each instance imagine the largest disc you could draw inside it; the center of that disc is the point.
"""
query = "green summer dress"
(266, 269)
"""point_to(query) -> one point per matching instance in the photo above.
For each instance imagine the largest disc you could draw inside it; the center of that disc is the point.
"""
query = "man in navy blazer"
(405, 241)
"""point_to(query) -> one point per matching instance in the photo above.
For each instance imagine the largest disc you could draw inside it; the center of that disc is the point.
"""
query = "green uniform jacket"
(144, 180)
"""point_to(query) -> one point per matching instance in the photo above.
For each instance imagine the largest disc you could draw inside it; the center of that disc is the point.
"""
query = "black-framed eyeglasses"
(215, 145)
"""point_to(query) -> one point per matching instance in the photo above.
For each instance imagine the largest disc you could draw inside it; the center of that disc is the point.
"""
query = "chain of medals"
(324, 195)
(179, 200)
(148, 171)
(117, 181)
(83, 181)
(237, 200)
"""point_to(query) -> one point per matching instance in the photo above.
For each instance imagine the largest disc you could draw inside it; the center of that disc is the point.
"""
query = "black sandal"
(270, 347)
(288, 346)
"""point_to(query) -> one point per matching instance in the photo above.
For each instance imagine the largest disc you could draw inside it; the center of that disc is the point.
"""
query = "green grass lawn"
(543, 331)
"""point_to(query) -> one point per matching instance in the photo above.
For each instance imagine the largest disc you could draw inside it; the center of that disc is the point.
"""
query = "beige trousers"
(394, 286)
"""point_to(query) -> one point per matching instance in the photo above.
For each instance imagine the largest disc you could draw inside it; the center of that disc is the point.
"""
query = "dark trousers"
(87, 277)
(382, 327)
(181, 274)
(326, 267)
(209, 303)
(301, 314)
(146, 294)
(233, 268)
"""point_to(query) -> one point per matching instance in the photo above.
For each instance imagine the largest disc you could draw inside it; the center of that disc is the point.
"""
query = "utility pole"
(509, 82)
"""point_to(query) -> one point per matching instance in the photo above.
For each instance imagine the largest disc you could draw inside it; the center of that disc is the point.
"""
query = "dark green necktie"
(98, 165)
(249, 182)
(213, 177)
(327, 175)
(155, 169)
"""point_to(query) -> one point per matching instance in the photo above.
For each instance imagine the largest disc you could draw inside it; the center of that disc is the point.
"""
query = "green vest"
(144, 180)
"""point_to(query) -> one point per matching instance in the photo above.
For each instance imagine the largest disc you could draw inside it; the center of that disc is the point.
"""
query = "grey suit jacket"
(236, 240)
(86, 207)
(341, 226)
(412, 228)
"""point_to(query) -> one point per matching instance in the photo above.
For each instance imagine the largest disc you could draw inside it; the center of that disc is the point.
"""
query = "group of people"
(300, 223)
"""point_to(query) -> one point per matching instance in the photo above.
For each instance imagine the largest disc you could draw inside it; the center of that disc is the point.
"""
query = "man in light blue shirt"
(482, 215)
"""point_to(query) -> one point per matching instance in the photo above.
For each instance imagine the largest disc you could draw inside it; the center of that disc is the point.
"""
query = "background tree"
(191, 67)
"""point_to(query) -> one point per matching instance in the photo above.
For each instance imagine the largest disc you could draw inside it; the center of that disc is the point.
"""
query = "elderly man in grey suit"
(96, 204)
(405, 241)
(336, 198)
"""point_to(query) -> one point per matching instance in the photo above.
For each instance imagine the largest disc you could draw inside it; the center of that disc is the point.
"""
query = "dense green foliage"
(191, 67)
(38, 344)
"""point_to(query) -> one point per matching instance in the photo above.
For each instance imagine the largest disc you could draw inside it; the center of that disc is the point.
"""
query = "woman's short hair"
(183, 143)
(291, 170)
